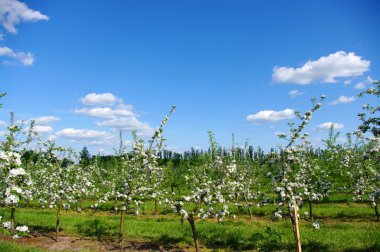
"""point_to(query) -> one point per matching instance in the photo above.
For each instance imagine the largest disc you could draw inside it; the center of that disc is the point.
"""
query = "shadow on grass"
(97, 229)
(375, 247)
(268, 240)
(314, 246)
(46, 231)
(169, 240)
(43, 229)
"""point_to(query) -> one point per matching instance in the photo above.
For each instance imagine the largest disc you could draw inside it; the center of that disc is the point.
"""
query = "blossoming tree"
(15, 182)
(209, 189)
(368, 174)
(57, 177)
(138, 176)
(292, 185)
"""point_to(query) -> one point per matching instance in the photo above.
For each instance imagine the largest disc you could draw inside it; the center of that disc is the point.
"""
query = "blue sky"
(85, 69)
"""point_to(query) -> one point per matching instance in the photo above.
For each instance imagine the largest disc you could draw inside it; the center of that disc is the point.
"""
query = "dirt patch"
(71, 243)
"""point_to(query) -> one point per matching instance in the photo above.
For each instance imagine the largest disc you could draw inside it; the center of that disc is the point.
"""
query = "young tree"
(315, 180)
(138, 176)
(58, 184)
(291, 185)
(209, 186)
(368, 175)
(244, 182)
(15, 181)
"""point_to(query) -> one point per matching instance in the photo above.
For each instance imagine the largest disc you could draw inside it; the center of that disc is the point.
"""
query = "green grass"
(344, 227)
(14, 247)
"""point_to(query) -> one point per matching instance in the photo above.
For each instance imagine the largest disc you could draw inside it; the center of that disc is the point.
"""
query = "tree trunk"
(250, 213)
(195, 235)
(80, 201)
(296, 228)
(311, 210)
(115, 202)
(377, 212)
(249, 209)
(155, 206)
(121, 232)
(13, 209)
(58, 221)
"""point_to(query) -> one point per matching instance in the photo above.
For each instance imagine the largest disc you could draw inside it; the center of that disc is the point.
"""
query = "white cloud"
(52, 137)
(360, 85)
(364, 84)
(347, 82)
(271, 115)
(89, 137)
(26, 59)
(12, 12)
(106, 141)
(81, 134)
(105, 112)
(105, 99)
(343, 99)
(128, 123)
(327, 126)
(46, 119)
(325, 69)
(294, 93)
(115, 113)
(42, 129)
(3, 124)
(120, 116)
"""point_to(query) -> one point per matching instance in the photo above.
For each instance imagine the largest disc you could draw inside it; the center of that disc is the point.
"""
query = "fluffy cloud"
(89, 137)
(26, 59)
(12, 12)
(326, 69)
(117, 114)
(364, 84)
(106, 141)
(327, 126)
(105, 112)
(42, 129)
(3, 124)
(347, 82)
(105, 99)
(129, 124)
(271, 115)
(343, 99)
(294, 93)
(80, 134)
(46, 119)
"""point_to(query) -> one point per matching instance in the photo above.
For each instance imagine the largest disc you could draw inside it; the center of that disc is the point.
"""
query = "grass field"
(344, 227)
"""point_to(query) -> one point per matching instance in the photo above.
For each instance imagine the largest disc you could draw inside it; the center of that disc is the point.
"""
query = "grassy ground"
(344, 227)
(15, 247)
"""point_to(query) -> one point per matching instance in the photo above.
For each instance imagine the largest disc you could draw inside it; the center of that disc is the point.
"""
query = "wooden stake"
(297, 227)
